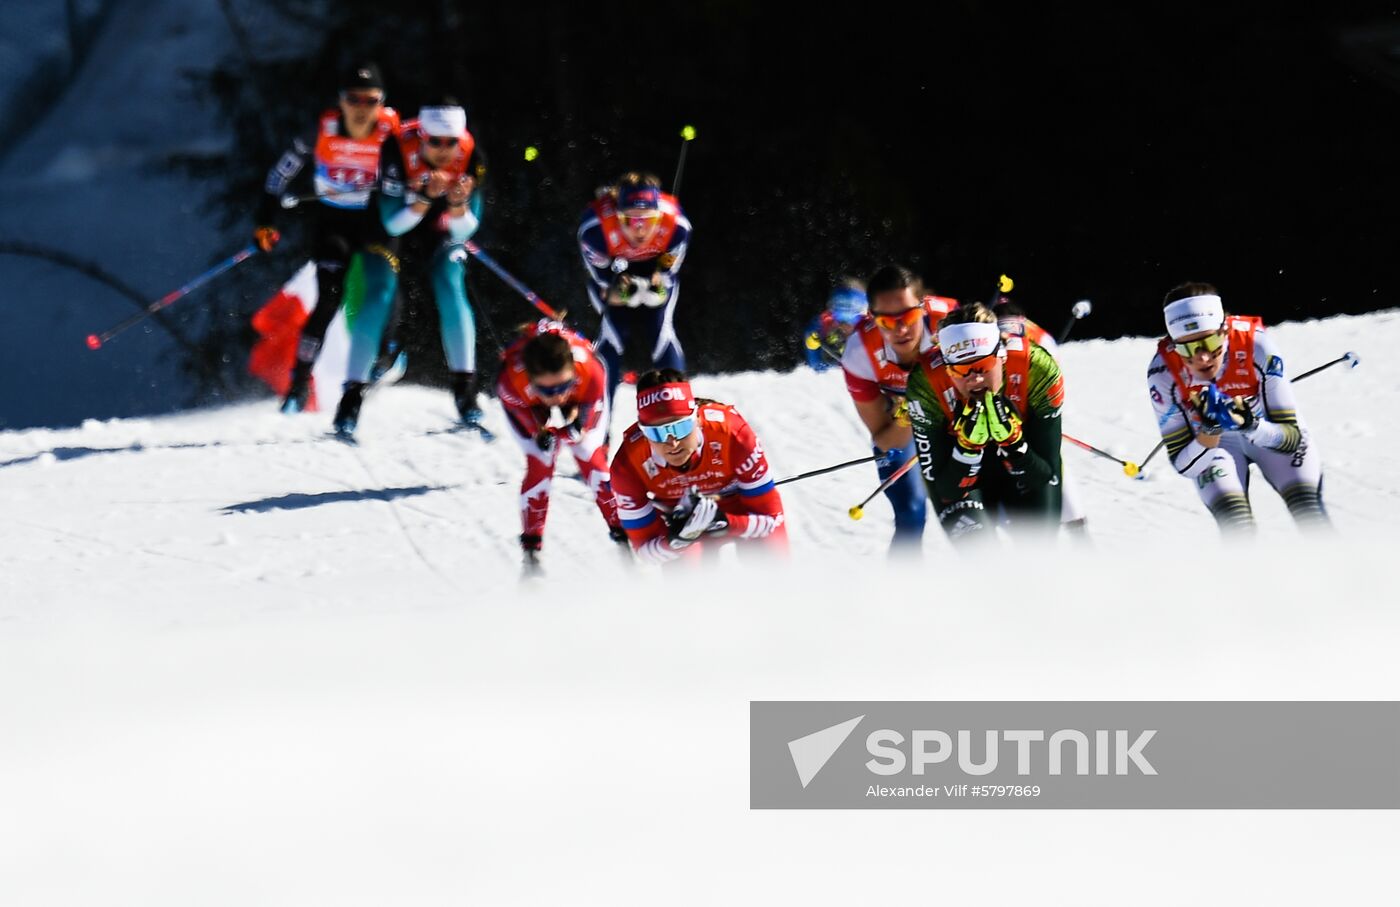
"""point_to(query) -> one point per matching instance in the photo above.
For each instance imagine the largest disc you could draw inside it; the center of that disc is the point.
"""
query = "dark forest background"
(1106, 153)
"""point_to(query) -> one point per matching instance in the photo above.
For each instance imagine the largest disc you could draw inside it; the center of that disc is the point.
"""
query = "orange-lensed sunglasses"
(908, 316)
(980, 364)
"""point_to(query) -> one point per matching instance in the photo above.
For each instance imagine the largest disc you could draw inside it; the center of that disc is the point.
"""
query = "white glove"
(700, 521)
(634, 292)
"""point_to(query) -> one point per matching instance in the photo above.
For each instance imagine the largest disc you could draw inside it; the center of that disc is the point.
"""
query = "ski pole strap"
(529, 295)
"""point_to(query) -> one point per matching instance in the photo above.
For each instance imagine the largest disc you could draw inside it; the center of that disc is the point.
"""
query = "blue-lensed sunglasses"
(554, 390)
(681, 428)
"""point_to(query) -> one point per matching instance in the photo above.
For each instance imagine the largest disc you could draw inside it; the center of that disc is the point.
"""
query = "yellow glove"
(900, 414)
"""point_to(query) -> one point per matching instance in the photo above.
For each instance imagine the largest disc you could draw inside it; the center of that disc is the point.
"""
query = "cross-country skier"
(824, 338)
(1013, 323)
(633, 238)
(879, 356)
(428, 205)
(344, 149)
(986, 421)
(690, 474)
(551, 387)
(1218, 388)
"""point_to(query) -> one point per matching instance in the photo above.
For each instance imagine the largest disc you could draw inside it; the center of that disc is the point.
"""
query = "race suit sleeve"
(1176, 420)
(1276, 408)
(946, 477)
(645, 528)
(396, 198)
(760, 508)
(1040, 463)
(521, 415)
(283, 175)
(597, 263)
(592, 404)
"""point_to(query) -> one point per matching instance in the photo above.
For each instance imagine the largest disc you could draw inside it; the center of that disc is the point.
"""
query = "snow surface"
(242, 663)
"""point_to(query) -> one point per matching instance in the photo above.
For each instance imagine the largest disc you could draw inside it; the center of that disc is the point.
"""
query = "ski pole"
(1354, 359)
(1077, 311)
(687, 136)
(858, 511)
(1351, 357)
(825, 470)
(95, 341)
(529, 294)
(1130, 468)
(293, 201)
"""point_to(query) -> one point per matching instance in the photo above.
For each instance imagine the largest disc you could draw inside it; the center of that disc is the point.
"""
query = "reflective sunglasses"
(554, 390)
(1209, 344)
(440, 141)
(980, 364)
(359, 99)
(640, 221)
(908, 316)
(681, 428)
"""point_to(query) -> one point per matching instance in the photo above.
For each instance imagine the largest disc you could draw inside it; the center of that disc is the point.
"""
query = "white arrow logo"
(811, 753)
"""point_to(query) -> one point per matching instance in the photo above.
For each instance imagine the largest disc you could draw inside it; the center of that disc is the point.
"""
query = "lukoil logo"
(665, 392)
(1034, 751)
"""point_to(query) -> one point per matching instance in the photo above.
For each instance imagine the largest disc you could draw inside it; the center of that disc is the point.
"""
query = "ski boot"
(530, 567)
(300, 391)
(347, 414)
(463, 385)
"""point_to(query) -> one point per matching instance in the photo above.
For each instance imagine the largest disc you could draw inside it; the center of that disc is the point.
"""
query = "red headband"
(665, 403)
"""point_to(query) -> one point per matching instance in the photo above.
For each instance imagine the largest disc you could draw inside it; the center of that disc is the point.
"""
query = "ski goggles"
(1209, 344)
(892, 321)
(362, 99)
(440, 141)
(679, 429)
(980, 364)
(554, 390)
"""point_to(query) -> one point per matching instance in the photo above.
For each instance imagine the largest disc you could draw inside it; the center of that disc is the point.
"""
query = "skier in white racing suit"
(1222, 402)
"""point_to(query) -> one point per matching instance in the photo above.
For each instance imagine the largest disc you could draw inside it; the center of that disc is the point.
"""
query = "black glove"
(544, 440)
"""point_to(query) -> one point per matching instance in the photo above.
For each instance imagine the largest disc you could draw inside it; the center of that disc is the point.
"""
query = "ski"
(487, 434)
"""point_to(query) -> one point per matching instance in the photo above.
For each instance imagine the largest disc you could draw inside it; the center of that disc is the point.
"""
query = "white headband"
(968, 341)
(1193, 315)
(448, 122)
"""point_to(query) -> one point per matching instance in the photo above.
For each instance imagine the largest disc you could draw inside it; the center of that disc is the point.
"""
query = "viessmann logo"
(1033, 751)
